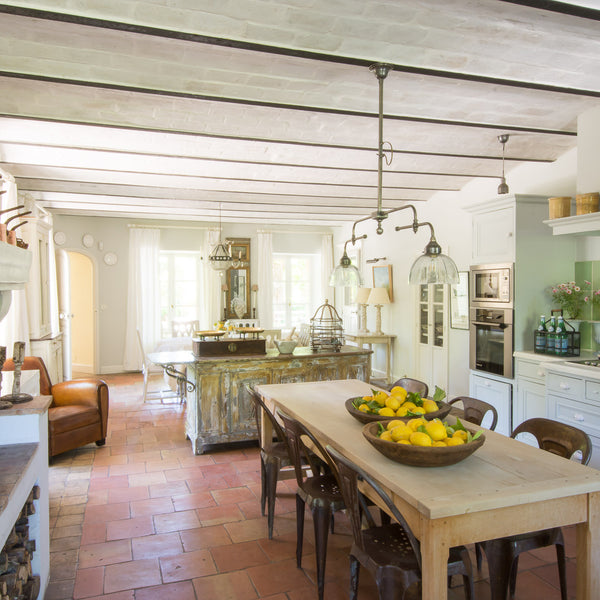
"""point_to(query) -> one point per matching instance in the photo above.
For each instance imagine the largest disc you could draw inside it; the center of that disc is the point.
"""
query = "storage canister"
(559, 207)
(587, 203)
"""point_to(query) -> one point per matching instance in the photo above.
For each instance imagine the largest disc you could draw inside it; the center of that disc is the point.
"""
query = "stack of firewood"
(17, 581)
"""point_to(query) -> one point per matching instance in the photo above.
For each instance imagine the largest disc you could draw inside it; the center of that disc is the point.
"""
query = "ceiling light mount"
(503, 187)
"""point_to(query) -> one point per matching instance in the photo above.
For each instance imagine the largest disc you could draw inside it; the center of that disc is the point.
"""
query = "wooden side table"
(360, 339)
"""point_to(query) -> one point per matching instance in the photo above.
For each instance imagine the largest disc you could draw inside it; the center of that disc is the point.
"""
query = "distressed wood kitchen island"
(219, 410)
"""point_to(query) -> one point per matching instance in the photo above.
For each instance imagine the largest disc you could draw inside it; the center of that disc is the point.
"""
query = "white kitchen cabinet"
(432, 335)
(494, 236)
(50, 351)
(498, 393)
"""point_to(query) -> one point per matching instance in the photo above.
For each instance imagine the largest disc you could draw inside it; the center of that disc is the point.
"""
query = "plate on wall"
(87, 240)
(60, 237)
(110, 258)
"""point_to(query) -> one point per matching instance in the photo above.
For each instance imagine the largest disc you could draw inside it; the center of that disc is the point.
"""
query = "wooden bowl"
(419, 456)
(359, 415)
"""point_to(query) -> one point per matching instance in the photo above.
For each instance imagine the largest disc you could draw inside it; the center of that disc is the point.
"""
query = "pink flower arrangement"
(572, 298)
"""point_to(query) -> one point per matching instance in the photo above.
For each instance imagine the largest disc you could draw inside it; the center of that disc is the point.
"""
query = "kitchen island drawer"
(530, 369)
(580, 415)
(592, 391)
(563, 384)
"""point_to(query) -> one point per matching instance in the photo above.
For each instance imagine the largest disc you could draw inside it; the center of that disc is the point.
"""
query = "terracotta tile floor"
(142, 518)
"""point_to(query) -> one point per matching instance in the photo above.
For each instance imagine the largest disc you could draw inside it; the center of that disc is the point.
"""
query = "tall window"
(180, 288)
(296, 288)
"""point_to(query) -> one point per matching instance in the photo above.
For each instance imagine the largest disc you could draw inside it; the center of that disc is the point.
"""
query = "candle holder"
(17, 397)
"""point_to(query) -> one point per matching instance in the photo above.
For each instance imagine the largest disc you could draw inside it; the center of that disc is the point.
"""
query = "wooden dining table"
(505, 488)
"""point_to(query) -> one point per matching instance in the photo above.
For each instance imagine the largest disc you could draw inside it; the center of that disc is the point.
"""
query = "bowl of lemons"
(397, 404)
(422, 443)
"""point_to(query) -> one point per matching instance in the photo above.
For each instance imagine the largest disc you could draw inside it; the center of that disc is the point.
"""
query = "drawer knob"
(564, 386)
(541, 373)
(595, 391)
(578, 417)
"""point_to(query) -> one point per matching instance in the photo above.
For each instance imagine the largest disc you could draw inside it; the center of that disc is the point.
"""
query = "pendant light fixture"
(432, 266)
(220, 257)
(503, 187)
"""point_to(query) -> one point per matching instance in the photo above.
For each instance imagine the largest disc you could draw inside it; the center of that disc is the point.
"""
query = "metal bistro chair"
(412, 385)
(503, 553)
(320, 492)
(390, 552)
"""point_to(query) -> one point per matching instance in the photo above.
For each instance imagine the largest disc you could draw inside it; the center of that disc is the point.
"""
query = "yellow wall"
(82, 308)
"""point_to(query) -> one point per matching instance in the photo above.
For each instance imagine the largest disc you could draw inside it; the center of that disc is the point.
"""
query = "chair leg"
(332, 523)
(299, 529)
(468, 575)
(145, 384)
(499, 562)
(514, 569)
(263, 486)
(273, 467)
(321, 519)
(478, 556)
(354, 575)
(562, 572)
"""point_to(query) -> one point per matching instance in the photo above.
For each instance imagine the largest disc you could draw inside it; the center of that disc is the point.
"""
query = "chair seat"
(323, 488)
(278, 450)
(67, 418)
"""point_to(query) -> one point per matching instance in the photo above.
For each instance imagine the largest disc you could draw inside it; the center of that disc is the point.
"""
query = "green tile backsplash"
(588, 271)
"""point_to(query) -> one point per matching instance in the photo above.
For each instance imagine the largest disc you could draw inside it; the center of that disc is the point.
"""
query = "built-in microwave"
(491, 285)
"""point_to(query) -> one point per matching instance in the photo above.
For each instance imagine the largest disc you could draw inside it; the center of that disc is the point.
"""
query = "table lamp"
(378, 297)
(362, 297)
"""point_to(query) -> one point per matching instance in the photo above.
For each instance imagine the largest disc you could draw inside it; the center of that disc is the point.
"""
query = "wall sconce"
(362, 299)
(224, 289)
(432, 266)
(378, 297)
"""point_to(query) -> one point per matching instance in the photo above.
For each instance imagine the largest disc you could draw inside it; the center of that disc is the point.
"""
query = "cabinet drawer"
(580, 415)
(563, 384)
(531, 370)
(592, 391)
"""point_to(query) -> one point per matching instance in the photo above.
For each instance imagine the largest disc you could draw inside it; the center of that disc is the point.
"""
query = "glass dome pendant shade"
(220, 258)
(433, 267)
(345, 274)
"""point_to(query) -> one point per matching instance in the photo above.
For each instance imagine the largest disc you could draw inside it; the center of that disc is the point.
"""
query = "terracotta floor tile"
(278, 577)
(60, 590)
(63, 565)
(187, 566)
(217, 515)
(130, 575)
(106, 483)
(244, 531)
(234, 557)
(128, 528)
(207, 484)
(127, 469)
(184, 474)
(68, 543)
(531, 587)
(93, 533)
(110, 460)
(227, 586)
(97, 497)
(88, 582)
(156, 546)
(67, 531)
(204, 537)
(127, 595)
(195, 460)
(283, 546)
(182, 590)
(154, 478)
(97, 555)
(168, 489)
(127, 494)
(250, 464)
(152, 506)
(150, 456)
(176, 521)
(106, 512)
(162, 465)
(191, 501)
(232, 495)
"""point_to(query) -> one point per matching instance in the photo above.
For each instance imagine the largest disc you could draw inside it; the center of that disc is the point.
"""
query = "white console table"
(360, 339)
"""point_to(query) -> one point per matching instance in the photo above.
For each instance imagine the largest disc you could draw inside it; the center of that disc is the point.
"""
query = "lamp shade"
(433, 269)
(362, 295)
(378, 295)
(345, 276)
(220, 259)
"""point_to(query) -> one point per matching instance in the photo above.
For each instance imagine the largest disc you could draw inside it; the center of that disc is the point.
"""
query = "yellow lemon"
(418, 438)
(393, 423)
(462, 434)
(386, 412)
(430, 406)
(392, 402)
(414, 424)
(439, 444)
(418, 410)
(401, 432)
(380, 398)
(364, 408)
(410, 405)
(386, 435)
(403, 442)
(367, 398)
(399, 392)
(402, 411)
(454, 441)
(436, 430)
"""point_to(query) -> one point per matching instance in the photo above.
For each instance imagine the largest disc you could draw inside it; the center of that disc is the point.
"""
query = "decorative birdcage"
(326, 331)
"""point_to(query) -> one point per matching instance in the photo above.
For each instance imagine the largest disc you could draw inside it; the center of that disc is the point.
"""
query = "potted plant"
(573, 298)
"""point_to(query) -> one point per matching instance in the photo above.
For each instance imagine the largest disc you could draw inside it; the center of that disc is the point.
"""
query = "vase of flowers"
(573, 298)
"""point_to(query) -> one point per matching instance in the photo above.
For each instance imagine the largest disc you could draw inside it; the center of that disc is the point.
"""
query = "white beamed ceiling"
(268, 109)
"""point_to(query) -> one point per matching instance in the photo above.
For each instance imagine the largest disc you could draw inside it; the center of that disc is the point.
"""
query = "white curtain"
(264, 295)
(327, 267)
(143, 295)
(15, 325)
(212, 308)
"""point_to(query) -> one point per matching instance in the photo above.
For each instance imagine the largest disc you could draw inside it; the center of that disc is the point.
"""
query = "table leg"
(434, 562)
(588, 551)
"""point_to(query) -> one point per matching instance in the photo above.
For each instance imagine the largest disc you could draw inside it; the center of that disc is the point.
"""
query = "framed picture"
(240, 248)
(382, 277)
(459, 302)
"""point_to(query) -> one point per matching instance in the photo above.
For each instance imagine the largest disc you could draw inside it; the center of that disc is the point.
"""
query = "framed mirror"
(237, 294)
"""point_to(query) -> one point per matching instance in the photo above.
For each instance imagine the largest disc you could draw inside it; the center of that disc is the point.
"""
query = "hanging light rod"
(432, 266)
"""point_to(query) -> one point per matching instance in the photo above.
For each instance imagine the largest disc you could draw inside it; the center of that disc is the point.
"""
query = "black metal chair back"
(475, 410)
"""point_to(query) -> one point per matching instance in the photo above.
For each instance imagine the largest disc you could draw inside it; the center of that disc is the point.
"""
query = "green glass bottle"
(551, 336)
(540, 335)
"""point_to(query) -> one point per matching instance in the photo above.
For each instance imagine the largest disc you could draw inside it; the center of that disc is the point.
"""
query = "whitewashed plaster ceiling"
(268, 108)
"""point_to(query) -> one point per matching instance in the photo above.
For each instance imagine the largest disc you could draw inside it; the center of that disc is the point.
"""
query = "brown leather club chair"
(78, 414)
